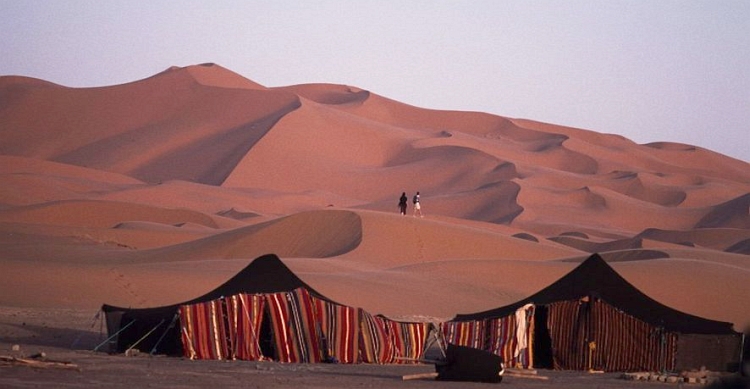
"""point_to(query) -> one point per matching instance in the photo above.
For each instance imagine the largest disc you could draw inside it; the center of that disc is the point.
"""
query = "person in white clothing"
(417, 206)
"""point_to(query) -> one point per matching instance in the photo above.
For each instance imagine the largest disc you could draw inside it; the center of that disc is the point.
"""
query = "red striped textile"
(293, 321)
(230, 328)
(245, 318)
(620, 342)
(339, 330)
(466, 333)
(409, 339)
(203, 329)
(497, 335)
(375, 343)
(504, 338)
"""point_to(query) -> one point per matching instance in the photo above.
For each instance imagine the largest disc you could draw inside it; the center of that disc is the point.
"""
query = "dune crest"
(734, 213)
(157, 190)
(329, 94)
(103, 214)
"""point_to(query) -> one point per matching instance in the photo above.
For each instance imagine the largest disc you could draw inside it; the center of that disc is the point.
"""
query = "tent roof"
(594, 277)
(265, 274)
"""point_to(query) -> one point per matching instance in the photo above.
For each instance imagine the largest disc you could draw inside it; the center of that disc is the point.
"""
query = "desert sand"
(156, 191)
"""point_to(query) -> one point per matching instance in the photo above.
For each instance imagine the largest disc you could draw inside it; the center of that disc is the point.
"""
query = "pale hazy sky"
(650, 70)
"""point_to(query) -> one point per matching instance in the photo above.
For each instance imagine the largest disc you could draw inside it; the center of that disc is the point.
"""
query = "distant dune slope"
(102, 214)
(209, 125)
(191, 123)
(157, 190)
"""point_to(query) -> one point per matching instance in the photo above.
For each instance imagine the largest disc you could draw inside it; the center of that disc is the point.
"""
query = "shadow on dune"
(733, 214)
(741, 247)
(598, 247)
(49, 336)
(526, 236)
(733, 240)
(312, 234)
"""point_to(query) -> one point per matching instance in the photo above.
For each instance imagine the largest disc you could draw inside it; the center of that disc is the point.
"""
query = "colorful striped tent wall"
(621, 342)
(204, 333)
(339, 329)
(294, 327)
(134, 327)
(375, 342)
(510, 337)
(630, 330)
(303, 328)
(245, 318)
(408, 339)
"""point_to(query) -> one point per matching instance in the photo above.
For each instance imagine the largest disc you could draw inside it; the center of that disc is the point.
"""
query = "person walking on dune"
(402, 203)
(417, 206)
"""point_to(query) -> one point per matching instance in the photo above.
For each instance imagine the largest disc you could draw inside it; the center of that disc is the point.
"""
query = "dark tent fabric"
(595, 278)
(594, 335)
(594, 307)
(157, 330)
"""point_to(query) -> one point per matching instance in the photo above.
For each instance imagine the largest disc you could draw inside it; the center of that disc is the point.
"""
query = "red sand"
(156, 191)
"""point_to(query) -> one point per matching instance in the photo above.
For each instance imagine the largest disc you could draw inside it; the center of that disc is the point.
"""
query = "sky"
(648, 70)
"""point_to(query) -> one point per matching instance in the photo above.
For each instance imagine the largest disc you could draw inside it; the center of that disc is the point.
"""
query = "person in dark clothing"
(402, 203)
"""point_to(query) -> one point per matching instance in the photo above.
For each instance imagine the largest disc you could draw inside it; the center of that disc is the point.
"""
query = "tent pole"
(744, 371)
(246, 310)
(171, 325)
(145, 336)
(93, 323)
(183, 331)
(101, 324)
(113, 335)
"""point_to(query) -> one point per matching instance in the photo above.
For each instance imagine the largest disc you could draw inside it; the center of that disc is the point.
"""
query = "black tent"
(699, 341)
(155, 329)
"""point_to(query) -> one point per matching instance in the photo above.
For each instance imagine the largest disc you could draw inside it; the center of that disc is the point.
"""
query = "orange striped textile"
(408, 338)
(375, 343)
(499, 336)
(245, 314)
(304, 329)
(204, 334)
(338, 330)
(512, 338)
(466, 333)
(595, 335)
(293, 321)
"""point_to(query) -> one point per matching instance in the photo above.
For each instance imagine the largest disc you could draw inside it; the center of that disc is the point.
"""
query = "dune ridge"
(157, 190)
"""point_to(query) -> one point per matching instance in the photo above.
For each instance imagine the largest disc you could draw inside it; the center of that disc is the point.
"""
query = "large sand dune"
(156, 191)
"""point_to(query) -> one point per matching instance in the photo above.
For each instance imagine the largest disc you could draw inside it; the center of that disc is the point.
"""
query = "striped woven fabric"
(375, 343)
(245, 318)
(466, 333)
(506, 341)
(203, 329)
(339, 330)
(409, 339)
(293, 321)
(620, 342)
(497, 335)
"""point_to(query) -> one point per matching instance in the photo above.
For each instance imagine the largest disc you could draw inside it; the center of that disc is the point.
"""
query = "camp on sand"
(266, 312)
(590, 319)
(594, 319)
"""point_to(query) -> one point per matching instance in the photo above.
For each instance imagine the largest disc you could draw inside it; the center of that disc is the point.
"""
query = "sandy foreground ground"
(69, 336)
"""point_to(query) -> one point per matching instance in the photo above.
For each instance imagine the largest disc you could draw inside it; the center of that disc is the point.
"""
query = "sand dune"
(105, 214)
(151, 129)
(715, 238)
(329, 93)
(598, 247)
(733, 213)
(158, 190)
